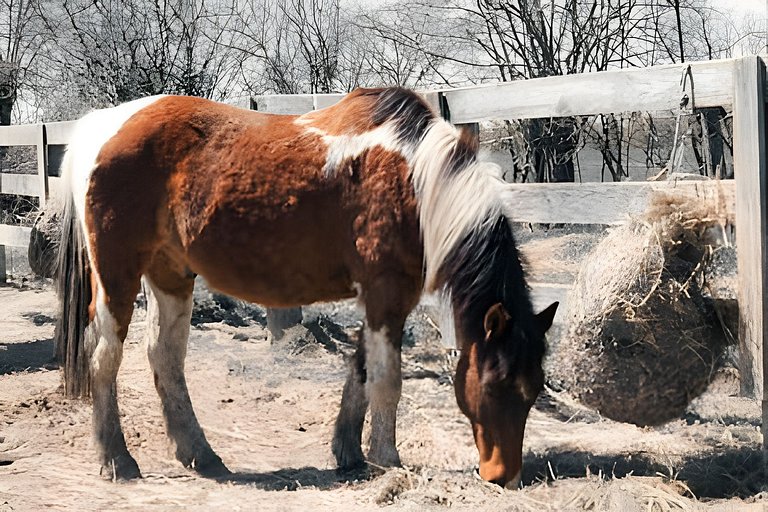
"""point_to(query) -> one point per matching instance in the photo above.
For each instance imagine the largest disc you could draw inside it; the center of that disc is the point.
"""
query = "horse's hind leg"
(105, 336)
(169, 310)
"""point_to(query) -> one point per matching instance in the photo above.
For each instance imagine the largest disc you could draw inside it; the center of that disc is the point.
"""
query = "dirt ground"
(268, 409)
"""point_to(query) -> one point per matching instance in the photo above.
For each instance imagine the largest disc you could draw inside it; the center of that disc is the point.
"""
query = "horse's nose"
(511, 484)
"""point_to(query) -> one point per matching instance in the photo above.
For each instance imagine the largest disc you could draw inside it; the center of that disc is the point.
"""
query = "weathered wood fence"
(738, 85)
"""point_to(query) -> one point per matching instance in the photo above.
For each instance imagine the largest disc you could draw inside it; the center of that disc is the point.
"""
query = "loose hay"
(642, 341)
(44, 240)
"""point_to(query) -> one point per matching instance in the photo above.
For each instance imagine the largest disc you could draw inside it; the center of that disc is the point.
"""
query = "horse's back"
(245, 199)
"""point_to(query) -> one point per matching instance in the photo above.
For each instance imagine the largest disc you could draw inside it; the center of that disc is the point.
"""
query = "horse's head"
(497, 381)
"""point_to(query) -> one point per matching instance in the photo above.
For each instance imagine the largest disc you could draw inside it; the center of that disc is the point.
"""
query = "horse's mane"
(469, 248)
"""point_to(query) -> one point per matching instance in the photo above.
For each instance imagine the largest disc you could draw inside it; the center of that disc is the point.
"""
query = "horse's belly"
(281, 263)
(285, 287)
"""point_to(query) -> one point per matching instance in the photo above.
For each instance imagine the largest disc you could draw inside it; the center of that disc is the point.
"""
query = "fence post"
(751, 172)
(42, 165)
(280, 319)
(3, 270)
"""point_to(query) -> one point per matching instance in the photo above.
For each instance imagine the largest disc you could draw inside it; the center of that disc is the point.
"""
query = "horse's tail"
(73, 286)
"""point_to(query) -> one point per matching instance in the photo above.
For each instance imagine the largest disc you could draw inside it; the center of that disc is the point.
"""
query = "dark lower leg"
(348, 432)
(168, 319)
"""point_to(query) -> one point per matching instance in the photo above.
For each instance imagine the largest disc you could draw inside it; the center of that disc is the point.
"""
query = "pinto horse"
(375, 197)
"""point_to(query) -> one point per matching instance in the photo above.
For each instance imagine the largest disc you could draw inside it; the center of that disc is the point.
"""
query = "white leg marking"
(168, 319)
(360, 303)
(383, 385)
(106, 347)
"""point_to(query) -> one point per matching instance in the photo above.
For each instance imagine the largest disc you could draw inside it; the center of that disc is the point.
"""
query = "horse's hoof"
(210, 466)
(385, 458)
(348, 458)
(121, 468)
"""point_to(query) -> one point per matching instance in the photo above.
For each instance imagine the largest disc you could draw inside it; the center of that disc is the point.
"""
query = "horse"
(375, 197)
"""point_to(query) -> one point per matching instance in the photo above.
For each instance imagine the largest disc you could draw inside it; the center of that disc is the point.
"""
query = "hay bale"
(642, 341)
(44, 240)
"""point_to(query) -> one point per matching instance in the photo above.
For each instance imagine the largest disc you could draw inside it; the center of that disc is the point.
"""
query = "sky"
(742, 6)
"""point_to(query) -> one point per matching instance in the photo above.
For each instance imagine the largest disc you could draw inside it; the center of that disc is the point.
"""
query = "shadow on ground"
(291, 479)
(732, 473)
(31, 356)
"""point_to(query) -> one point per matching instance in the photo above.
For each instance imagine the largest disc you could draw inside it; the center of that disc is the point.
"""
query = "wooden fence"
(43, 137)
(736, 84)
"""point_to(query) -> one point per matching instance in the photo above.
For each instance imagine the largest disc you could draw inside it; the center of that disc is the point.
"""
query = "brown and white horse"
(375, 197)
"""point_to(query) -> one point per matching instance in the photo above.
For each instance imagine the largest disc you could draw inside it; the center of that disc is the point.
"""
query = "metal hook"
(686, 102)
(686, 107)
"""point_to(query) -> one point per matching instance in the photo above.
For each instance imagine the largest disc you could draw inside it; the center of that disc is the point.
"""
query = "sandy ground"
(269, 410)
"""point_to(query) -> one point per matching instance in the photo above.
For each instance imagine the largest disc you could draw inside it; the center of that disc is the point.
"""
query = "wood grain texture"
(294, 104)
(627, 90)
(749, 161)
(603, 203)
(20, 184)
(60, 132)
(14, 236)
(20, 135)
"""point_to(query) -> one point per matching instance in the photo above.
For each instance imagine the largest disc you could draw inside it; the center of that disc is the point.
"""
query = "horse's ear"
(495, 321)
(546, 317)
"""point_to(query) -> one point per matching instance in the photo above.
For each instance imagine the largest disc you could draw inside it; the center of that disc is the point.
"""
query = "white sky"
(741, 6)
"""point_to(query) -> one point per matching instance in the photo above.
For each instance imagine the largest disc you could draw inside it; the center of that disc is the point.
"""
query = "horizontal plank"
(20, 135)
(14, 236)
(240, 102)
(626, 90)
(20, 184)
(602, 203)
(326, 100)
(284, 104)
(60, 132)
(303, 103)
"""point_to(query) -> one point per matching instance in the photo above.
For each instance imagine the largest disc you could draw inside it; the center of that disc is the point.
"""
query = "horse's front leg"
(375, 375)
(388, 300)
(348, 432)
(384, 385)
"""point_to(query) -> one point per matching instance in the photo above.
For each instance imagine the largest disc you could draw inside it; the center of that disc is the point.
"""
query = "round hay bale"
(44, 240)
(641, 340)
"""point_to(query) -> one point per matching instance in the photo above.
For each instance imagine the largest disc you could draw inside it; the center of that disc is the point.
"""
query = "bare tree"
(22, 44)
(117, 50)
(296, 46)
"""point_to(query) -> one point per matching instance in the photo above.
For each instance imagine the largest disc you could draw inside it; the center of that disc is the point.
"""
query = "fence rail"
(739, 84)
